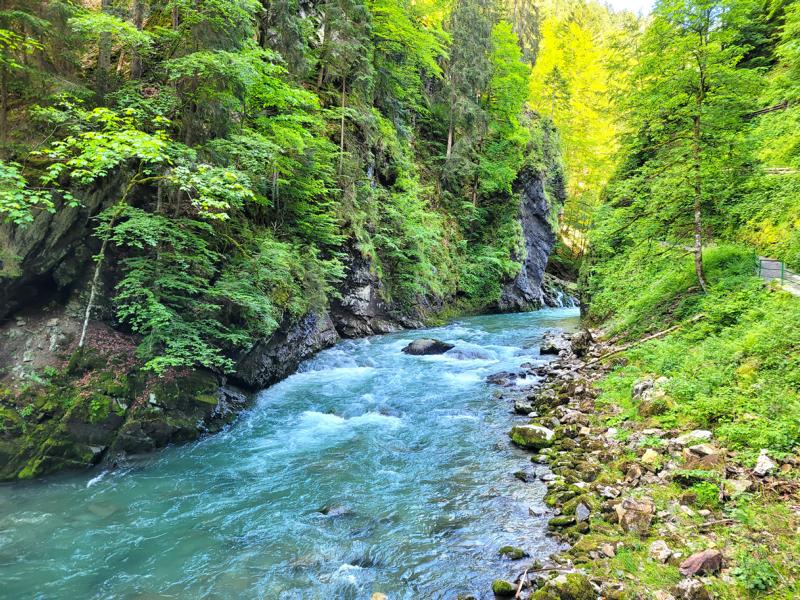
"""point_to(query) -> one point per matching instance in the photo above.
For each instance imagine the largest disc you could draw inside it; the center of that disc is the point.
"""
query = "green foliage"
(747, 388)
(239, 157)
(706, 494)
(18, 201)
(753, 573)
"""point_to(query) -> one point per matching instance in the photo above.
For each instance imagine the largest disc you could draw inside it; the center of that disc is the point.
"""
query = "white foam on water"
(460, 417)
(322, 422)
(96, 479)
(346, 571)
(462, 379)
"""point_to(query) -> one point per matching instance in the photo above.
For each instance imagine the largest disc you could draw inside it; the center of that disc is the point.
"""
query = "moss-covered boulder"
(569, 586)
(503, 588)
(532, 437)
(512, 552)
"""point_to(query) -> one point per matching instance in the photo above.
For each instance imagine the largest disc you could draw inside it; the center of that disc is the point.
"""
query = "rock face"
(538, 192)
(361, 311)
(44, 260)
(427, 346)
(278, 356)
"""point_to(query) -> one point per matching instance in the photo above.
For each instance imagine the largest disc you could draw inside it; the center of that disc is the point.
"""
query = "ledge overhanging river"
(367, 471)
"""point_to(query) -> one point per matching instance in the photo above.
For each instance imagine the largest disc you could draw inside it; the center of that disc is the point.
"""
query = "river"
(367, 471)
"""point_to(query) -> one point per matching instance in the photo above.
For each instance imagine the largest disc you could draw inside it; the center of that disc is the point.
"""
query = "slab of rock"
(694, 437)
(736, 486)
(523, 407)
(468, 354)
(427, 346)
(651, 457)
(512, 552)
(607, 550)
(640, 387)
(582, 513)
(764, 465)
(534, 437)
(659, 551)
(706, 562)
(690, 589)
(552, 344)
(635, 515)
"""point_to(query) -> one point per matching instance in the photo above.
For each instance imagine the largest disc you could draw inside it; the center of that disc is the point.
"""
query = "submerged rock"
(427, 346)
(533, 437)
(468, 354)
(334, 511)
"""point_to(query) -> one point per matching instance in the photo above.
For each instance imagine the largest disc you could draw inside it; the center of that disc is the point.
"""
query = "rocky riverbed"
(646, 512)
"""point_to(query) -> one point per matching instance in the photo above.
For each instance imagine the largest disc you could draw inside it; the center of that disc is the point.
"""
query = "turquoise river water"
(367, 471)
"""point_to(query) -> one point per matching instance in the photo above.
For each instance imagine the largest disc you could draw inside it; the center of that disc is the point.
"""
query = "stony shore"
(644, 512)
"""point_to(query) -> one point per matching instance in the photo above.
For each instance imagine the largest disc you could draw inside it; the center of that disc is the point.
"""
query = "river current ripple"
(367, 471)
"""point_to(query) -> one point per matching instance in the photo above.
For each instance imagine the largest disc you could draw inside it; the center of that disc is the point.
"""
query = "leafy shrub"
(706, 494)
(753, 573)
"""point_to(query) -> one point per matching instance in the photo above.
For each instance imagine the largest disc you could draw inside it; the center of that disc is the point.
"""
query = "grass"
(735, 372)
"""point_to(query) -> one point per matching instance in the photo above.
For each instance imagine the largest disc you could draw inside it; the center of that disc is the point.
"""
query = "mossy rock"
(512, 552)
(570, 586)
(561, 522)
(532, 437)
(503, 588)
(590, 501)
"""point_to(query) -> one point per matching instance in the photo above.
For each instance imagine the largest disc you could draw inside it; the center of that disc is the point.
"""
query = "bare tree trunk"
(93, 290)
(698, 226)
(450, 137)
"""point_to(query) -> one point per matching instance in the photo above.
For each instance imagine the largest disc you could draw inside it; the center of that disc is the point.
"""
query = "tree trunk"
(341, 130)
(138, 21)
(698, 226)
(3, 105)
(322, 50)
(450, 137)
(103, 58)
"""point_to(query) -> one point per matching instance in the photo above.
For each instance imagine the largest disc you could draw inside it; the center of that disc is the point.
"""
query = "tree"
(686, 114)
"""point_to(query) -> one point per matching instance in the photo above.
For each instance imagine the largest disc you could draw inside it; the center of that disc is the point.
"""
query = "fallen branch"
(715, 522)
(647, 338)
(522, 581)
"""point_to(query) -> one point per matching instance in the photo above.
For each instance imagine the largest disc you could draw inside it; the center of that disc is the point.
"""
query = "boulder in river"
(552, 344)
(534, 437)
(503, 588)
(426, 346)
